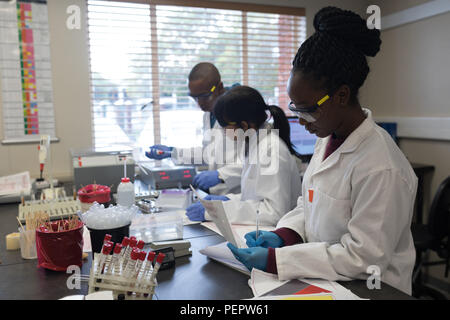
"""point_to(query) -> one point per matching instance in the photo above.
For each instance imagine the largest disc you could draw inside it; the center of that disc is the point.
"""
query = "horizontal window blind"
(141, 55)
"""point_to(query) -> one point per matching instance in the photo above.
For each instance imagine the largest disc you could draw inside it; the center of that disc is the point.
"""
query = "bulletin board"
(25, 72)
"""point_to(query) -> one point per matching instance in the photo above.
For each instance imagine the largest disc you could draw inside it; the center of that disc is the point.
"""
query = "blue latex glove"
(196, 212)
(206, 179)
(255, 257)
(159, 152)
(214, 197)
(265, 239)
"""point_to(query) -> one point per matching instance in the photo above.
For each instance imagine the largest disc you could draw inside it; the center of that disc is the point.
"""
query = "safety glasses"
(310, 114)
(205, 95)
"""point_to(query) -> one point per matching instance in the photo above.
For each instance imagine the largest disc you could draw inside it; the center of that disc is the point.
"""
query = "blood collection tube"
(101, 262)
(140, 245)
(125, 243)
(148, 270)
(149, 264)
(115, 258)
(105, 240)
(159, 260)
(131, 246)
(131, 265)
(141, 259)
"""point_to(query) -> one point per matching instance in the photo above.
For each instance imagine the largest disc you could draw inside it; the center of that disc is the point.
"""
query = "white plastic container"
(125, 193)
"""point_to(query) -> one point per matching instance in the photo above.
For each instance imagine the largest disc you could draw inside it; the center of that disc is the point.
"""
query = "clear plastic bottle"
(125, 193)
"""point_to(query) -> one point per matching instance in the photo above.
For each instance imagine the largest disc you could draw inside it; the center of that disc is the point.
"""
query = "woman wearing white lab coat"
(270, 181)
(353, 219)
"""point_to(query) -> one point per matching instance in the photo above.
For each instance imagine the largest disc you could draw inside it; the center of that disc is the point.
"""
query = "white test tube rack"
(118, 283)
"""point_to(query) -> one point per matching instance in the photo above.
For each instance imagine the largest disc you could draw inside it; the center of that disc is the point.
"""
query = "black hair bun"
(349, 27)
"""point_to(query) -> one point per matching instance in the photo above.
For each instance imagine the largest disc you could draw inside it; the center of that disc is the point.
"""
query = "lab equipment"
(93, 193)
(158, 227)
(105, 167)
(59, 208)
(60, 244)
(125, 193)
(44, 154)
(133, 274)
(167, 175)
(302, 141)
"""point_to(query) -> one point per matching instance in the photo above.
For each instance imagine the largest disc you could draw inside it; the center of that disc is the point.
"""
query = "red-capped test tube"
(105, 240)
(125, 243)
(141, 259)
(131, 265)
(105, 252)
(140, 245)
(115, 258)
(159, 260)
(148, 269)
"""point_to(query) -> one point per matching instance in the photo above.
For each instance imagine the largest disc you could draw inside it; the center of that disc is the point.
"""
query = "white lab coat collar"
(350, 144)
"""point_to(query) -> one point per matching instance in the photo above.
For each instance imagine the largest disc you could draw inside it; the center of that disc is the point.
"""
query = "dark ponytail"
(244, 103)
(281, 123)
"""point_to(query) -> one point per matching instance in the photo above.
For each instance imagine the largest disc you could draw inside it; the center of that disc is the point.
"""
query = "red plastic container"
(59, 250)
(94, 192)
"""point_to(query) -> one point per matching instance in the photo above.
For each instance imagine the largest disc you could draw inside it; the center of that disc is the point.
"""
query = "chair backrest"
(438, 220)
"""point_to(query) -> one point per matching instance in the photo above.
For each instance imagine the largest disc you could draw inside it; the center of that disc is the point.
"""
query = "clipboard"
(217, 213)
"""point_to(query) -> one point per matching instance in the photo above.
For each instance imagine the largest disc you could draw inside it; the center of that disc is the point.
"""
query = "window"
(141, 55)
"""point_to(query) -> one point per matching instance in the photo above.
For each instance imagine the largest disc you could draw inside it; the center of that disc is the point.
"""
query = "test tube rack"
(131, 289)
(60, 208)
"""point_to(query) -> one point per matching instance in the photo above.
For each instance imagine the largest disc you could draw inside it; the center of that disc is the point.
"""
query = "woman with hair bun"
(355, 212)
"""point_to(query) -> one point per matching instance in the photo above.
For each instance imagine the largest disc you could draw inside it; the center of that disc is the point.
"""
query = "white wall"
(70, 77)
(410, 78)
(70, 71)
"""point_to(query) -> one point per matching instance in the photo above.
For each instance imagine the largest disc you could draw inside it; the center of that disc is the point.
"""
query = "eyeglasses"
(310, 114)
(205, 95)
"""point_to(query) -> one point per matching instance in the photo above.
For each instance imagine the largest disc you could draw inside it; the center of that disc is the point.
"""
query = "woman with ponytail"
(270, 180)
(354, 216)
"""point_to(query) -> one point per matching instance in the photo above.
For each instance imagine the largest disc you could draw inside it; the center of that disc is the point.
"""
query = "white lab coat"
(360, 214)
(271, 185)
(229, 172)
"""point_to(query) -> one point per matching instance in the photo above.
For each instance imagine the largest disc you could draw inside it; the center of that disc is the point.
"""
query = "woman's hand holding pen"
(265, 239)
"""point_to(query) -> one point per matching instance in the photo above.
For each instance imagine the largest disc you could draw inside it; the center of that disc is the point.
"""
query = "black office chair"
(433, 236)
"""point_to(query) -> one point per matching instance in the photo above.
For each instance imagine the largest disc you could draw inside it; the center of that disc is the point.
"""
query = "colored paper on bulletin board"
(25, 72)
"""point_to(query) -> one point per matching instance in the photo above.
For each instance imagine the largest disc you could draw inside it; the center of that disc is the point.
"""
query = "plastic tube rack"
(136, 288)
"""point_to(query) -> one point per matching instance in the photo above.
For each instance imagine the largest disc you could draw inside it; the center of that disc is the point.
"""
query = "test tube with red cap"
(148, 269)
(125, 244)
(101, 261)
(159, 260)
(140, 245)
(141, 259)
(115, 258)
(105, 240)
(131, 265)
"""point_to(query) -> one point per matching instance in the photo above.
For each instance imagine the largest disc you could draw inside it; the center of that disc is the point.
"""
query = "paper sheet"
(15, 184)
(266, 286)
(221, 253)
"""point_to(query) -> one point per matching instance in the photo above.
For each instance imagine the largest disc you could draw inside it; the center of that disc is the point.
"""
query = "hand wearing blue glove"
(214, 197)
(159, 152)
(265, 239)
(196, 212)
(255, 257)
(206, 179)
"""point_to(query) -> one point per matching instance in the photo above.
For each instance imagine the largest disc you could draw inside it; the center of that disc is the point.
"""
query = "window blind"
(141, 55)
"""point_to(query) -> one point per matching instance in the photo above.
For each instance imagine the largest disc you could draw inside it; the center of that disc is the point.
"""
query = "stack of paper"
(14, 186)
